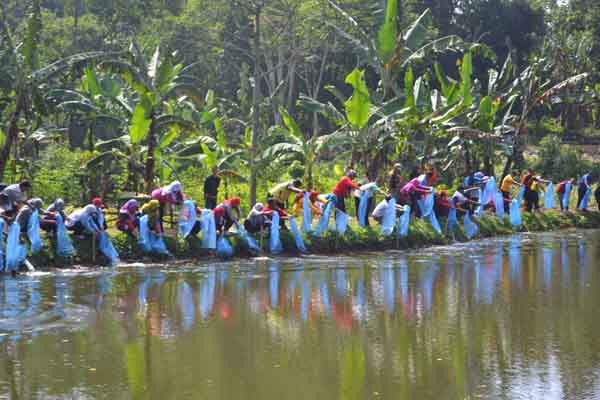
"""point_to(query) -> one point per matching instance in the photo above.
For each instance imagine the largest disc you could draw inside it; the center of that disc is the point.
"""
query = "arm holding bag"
(187, 218)
(297, 236)
(209, 230)
(362, 209)
(323, 224)
(306, 214)
(224, 249)
(275, 246)
(549, 196)
(341, 222)
(405, 221)
(515, 213)
(389, 218)
(33, 232)
(107, 248)
(471, 228)
(64, 246)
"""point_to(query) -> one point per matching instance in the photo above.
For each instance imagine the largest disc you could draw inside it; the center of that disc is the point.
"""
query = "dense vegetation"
(120, 95)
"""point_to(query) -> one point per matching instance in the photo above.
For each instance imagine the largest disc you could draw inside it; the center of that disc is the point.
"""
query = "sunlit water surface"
(512, 318)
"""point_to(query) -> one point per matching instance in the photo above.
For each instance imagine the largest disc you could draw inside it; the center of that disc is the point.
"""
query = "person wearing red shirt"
(343, 189)
(273, 207)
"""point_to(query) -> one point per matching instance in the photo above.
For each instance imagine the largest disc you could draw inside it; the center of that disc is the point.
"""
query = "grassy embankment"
(356, 239)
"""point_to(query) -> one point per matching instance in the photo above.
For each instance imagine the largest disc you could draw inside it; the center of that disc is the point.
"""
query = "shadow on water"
(505, 318)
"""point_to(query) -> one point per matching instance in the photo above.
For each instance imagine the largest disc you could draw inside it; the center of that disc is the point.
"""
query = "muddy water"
(513, 318)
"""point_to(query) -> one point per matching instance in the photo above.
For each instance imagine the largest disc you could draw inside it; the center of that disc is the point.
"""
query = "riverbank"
(420, 234)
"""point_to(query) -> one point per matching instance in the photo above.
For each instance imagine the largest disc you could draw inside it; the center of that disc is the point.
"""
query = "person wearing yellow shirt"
(281, 193)
(508, 182)
(533, 203)
(313, 199)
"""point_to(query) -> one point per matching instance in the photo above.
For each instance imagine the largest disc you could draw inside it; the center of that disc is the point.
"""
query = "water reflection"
(509, 318)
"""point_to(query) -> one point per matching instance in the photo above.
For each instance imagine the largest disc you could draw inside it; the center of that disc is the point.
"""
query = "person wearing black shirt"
(211, 189)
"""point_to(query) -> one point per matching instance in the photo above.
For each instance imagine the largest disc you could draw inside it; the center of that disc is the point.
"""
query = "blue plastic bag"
(549, 196)
(515, 213)
(297, 236)
(480, 208)
(404, 221)
(489, 191)
(107, 248)
(64, 246)
(252, 245)
(33, 232)
(323, 224)
(521, 194)
(567, 196)
(187, 218)
(452, 220)
(15, 251)
(499, 204)
(389, 218)
(306, 214)
(471, 228)
(426, 205)
(1, 244)
(149, 241)
(224, 249)
(586, 200)
(435, 223)
(362, 209)
(341, 222)
(209, 230)
(275, 246)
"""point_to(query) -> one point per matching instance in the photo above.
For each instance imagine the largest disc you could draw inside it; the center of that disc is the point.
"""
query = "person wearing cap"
(371, 188)
(48, 222)
(152, 210)
(395, 181)
(281, 192)
(26, 211)
(256, 219)
(343, 189)
(171, 195)
(128, 220)
(211, 189)
(99, 204)
(13, 196)
(313, 199)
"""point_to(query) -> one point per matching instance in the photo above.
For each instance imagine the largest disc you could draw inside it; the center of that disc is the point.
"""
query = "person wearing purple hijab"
(128, 220)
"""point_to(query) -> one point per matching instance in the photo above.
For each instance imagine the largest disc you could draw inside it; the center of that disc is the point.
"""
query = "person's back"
(211, 190)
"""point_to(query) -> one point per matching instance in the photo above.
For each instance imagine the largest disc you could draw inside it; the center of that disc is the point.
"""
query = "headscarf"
(58, 205)
(36, 203)
(130, 207)
(173, 188)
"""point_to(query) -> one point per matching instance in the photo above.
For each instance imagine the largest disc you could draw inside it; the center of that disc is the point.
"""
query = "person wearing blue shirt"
(585, 183)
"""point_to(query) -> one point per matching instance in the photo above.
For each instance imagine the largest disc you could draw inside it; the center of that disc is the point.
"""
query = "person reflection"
(186, 304)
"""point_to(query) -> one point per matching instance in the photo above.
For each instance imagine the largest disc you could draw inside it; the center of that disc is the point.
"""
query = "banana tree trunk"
(255, 109)
(12, 137)
(150, 162)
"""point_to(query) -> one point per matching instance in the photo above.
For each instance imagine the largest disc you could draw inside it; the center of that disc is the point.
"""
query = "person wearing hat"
(128, 220)
(99, 204)
(152, 210)
(256, 219)
(48, 222)
(84, 221)
(281, 192)
(26, 211)
(171, 195)
(313, 199)
(343, 189)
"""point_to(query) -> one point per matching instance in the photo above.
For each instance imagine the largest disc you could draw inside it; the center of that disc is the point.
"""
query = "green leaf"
(386, 37)
(359, 105)
(409, 82)
(90, 82)
(140, 124)
(211, 156)
(292, 126)
(466, 74)
(220, 133)
(210, 98)
(416, 34)
(174, 131)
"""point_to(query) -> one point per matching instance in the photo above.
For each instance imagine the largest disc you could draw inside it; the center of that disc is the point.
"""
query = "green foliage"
(559, 162)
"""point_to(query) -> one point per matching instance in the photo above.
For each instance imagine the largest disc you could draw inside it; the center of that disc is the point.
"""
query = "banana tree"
(392, 49)
(156, 88)
(296, 146)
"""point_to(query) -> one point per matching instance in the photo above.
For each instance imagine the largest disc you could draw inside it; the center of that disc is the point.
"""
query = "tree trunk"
(255, 109)
(12, 137)
(150, 162)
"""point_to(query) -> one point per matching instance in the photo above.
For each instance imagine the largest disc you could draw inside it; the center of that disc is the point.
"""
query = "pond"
(510, 318)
